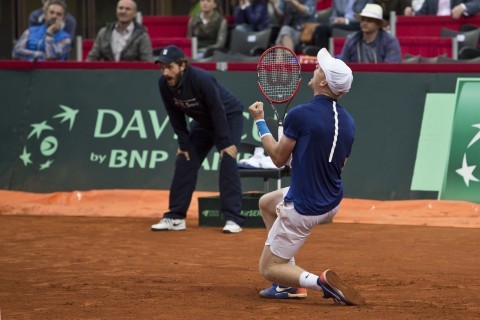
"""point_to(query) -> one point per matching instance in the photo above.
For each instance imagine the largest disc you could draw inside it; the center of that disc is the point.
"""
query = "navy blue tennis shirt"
(201, 97)
(324, 133)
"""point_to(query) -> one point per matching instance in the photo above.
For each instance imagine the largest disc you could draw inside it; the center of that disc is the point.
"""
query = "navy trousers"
(202, 140)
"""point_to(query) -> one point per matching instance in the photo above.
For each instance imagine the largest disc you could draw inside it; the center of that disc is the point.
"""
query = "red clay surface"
(56, 265)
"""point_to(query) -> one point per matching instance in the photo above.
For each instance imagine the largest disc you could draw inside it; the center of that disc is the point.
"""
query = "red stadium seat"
(182, 42)
(87, 45)
(166, 26)
(430, 26)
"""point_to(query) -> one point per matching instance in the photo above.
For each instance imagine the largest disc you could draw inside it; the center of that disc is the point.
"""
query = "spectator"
(37, 18)
(372, 43)
(295, 14)
(123, 40)
(251, 15)
(47, 41)
(342, 17)
(217, 121)
(454, 8)
(209, 27)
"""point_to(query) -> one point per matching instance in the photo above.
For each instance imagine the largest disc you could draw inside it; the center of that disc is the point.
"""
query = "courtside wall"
(83, 129)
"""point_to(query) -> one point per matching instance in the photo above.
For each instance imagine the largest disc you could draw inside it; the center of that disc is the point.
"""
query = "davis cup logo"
(467, 170)
(42, 142)
(462, 178)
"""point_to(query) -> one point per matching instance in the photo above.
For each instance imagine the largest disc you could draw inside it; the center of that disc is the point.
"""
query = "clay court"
(91, 255)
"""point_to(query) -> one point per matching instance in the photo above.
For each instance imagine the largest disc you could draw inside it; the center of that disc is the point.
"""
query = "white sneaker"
(254, 161)
(167, 224)
(231, 227)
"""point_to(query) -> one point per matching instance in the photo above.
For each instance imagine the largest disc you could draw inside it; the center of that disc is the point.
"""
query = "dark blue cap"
(170, 54)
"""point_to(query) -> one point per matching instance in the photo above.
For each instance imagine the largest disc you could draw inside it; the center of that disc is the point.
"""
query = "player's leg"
(286, 237)
(268, 206)
(229, 180)
(277, 262)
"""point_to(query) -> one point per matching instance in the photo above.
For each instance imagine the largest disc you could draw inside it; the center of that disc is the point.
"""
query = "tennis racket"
(279, 77)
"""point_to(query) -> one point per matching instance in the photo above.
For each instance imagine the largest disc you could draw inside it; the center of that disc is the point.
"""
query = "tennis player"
(318, 135)
(217, 121)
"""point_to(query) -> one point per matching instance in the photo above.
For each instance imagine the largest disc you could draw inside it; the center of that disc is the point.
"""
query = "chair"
(249, 43)
(430, 60)
(468, 53)
(266, 174)
(220, 56)
(464, 39)
(310, 51)
(341, 33)
(323, 16)
(411, 59)
(467, 27)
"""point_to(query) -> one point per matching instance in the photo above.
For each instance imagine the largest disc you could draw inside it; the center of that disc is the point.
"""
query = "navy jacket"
(387, 48)
(202, 98)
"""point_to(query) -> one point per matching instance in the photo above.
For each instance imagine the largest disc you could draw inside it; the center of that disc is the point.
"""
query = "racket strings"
(278, 74)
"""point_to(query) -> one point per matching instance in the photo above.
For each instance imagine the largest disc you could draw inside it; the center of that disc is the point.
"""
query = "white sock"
(310, 281)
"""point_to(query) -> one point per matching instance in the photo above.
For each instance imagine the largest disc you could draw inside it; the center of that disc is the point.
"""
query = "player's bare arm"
(279, 151)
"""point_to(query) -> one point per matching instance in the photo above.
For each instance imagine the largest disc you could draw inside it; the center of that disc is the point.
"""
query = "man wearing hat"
(371, 44)
(318, 136)
(217, 121)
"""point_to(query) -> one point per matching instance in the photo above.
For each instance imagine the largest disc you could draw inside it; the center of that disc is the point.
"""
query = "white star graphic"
(477, 136)
(25, 156)
(466, 171)
(46, 165)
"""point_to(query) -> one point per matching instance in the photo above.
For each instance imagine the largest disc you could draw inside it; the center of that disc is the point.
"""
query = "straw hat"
(373, 11)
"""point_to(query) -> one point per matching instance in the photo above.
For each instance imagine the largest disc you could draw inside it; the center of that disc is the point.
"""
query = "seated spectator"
(295, 14)
(209, 27)
(251, 15)
(454, 8)
(372, 44)
(47, 41)
(123, 40)
(37, 18)
(343, 17)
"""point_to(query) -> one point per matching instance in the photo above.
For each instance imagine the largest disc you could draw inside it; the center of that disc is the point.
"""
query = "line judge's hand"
(185, 153)
(256, 110)
(231, 151)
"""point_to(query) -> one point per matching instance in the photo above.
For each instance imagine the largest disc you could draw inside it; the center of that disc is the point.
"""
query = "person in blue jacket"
(372, 44)
(251, 15)
(217, 115)
(37, 18)
(48, 41)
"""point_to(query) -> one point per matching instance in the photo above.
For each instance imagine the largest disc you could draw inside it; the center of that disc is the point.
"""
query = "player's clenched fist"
(256, 110)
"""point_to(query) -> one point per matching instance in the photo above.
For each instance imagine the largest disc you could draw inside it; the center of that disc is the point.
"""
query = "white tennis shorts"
(291, 229)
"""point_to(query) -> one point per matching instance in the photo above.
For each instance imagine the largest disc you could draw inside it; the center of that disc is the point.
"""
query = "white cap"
(338, 74)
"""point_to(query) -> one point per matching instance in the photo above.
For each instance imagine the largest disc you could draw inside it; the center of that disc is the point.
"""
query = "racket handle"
(280, 130)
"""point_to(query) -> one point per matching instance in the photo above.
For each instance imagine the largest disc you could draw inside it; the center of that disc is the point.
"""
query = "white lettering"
(98, 125)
